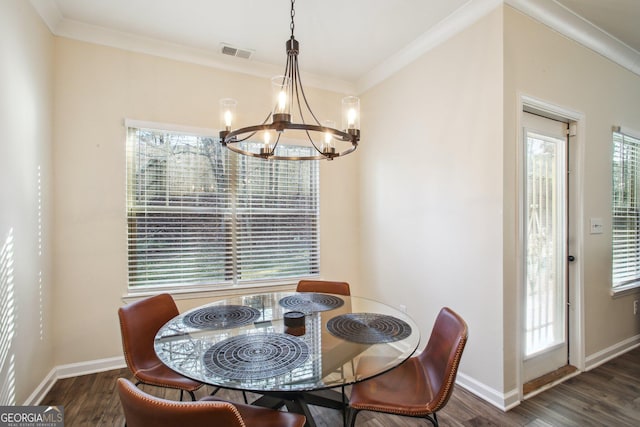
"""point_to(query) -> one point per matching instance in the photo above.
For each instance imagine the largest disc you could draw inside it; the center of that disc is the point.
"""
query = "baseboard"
(502, 401)
(43, 388)
(603, 356)
(73, 370)
(90, 367)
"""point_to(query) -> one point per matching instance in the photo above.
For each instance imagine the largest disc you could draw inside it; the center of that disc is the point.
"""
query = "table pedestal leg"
(299, 402)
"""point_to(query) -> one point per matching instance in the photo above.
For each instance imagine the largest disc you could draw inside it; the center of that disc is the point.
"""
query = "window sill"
(209, 291)
(620, 291)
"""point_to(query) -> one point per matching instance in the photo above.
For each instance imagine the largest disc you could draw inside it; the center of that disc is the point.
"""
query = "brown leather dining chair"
(422, 385)
(323, 286)
(139, 323)
(143, 410)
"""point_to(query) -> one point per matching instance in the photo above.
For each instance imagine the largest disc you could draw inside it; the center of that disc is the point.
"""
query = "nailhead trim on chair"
(172, 404)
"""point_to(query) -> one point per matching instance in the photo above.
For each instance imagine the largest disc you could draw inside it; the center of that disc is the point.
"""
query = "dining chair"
(422, 385)
(142, 410)
(139, 323)
(324, 286)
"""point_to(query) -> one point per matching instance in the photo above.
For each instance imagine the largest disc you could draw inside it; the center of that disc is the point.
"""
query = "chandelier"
(289, 102)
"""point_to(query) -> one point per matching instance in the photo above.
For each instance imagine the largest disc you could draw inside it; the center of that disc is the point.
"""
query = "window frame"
(224, 287)
(623, 286)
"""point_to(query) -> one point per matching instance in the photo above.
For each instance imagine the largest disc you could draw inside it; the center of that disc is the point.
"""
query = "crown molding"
(567, 23)
(548, 12)
(456, 22)
(62, 27)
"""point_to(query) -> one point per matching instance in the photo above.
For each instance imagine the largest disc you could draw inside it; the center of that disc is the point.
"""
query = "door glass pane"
(545, 253)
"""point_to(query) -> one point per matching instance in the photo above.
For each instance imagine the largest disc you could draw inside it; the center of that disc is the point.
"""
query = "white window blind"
(199, 214)
(626, 210)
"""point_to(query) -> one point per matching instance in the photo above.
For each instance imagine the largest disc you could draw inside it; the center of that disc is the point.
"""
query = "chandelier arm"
(245, 138)
(304, 96)
(295, 85)
(276, 143)
(312, 143)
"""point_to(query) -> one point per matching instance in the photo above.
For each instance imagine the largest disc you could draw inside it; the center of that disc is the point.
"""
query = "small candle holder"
(294, 319)
(294, 323)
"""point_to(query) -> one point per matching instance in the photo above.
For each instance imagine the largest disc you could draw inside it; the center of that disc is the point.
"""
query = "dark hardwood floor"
(606, 396)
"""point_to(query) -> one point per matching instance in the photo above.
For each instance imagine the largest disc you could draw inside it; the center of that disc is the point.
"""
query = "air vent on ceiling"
(234, 51)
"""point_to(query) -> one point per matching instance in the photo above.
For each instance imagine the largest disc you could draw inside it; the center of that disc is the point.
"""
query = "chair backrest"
(324, 286)
(142, 410)
(441, 357)
(139, 323)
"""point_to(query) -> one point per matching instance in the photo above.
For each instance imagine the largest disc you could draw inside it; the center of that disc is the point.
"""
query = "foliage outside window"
(199, 214)
(626, 211)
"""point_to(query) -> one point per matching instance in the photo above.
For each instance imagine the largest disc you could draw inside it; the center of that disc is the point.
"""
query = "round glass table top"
(287, 341)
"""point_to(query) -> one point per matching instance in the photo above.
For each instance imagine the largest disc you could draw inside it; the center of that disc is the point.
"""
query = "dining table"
(292, 349)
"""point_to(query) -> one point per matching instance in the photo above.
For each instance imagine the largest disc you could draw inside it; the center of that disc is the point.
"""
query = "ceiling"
(344, 41)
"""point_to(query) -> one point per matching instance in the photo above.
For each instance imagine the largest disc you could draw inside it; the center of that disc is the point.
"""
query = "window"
(199, 214)
(626, 211)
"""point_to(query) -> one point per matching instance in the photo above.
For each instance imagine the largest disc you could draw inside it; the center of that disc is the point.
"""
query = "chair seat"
(404, 390)
(160, 375)
(257, 416)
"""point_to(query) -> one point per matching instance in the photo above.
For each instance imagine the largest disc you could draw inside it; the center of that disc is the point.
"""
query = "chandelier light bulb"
(351, 118)
(227, 118)
(227, 113)
(328, 146)
(282, 101)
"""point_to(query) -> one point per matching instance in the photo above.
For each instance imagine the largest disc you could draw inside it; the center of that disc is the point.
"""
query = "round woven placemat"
(221, 317)
(368, 328)
(255, 356)
(311, 302)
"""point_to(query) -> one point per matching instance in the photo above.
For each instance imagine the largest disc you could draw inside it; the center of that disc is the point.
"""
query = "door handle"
(571, 258)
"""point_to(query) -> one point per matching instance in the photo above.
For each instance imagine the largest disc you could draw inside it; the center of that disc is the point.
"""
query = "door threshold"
(547, 380)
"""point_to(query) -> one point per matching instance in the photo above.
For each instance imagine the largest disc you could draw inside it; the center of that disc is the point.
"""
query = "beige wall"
(26, 70)
(431, 182)
(543, 64)
(422, 215)
(96, 88)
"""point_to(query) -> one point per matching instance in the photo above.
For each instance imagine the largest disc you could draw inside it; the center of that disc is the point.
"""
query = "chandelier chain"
(293, 14)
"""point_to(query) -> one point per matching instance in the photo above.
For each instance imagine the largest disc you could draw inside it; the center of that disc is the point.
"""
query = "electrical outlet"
(635, 307)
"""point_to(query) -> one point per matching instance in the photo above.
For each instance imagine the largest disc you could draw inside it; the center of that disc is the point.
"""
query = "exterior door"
(545, 223)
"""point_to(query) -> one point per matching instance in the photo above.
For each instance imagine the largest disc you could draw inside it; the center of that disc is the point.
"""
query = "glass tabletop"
(246, 343)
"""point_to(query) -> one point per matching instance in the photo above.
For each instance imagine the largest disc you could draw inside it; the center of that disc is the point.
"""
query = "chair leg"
(433, 418)
(192, 394)
(244, 394)
(351, 417)
(345, 407)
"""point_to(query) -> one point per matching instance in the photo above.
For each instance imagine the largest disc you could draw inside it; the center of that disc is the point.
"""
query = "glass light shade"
(227, 113)
(268, 139)
(328, 142)
(350, 113)
(281, 94)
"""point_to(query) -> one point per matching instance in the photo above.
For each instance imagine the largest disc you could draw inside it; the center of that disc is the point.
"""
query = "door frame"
(576, 230)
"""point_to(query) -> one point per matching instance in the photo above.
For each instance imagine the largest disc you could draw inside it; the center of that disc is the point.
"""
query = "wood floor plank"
(608, 395)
